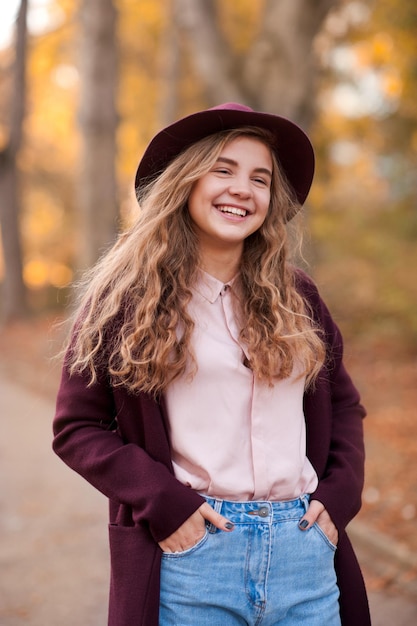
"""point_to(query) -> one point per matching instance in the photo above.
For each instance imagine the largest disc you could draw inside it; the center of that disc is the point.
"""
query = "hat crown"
(231, 106)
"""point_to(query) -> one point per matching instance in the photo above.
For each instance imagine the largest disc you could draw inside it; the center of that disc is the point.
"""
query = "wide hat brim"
(291, 145)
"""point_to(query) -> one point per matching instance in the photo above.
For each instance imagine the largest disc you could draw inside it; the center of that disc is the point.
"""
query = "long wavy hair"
(132, 321)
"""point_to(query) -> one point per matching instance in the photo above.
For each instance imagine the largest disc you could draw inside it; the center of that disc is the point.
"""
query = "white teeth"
(232, 209)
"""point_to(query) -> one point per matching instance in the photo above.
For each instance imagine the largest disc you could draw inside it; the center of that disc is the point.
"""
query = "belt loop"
(217, 506)
(305, 499)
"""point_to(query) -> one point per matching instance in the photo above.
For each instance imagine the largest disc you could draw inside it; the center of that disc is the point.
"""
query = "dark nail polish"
(303, 524)
(229, 525)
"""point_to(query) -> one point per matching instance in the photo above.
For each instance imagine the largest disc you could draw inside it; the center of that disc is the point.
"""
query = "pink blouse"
(233, 437)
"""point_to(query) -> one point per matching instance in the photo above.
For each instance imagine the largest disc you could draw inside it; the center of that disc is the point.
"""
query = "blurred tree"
(392, 52)
(169, 69)
(14, 292)
(276, 72)
(364, 198)
(49, 158)
(97, 195)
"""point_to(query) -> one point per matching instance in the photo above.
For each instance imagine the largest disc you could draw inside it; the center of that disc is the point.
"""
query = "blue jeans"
(265, 572)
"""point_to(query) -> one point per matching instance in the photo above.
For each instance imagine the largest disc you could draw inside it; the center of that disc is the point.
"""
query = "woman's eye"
(221, 170)
(261, 181)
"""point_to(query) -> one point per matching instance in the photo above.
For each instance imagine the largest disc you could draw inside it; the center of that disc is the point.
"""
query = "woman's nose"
(240, 187)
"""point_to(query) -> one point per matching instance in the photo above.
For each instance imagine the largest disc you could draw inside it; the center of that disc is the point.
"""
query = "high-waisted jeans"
(265, 572)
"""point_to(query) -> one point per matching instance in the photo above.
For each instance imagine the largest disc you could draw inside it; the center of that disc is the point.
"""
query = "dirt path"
(53, 556)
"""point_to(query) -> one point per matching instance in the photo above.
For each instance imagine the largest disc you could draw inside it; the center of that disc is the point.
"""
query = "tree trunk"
(277, 74)
(169, 70)
(14, 301)
(98, 121)
(210, 52)
(282, 65)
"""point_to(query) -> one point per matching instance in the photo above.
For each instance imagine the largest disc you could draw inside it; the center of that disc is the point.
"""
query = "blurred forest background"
(85, 84)
(90, 83)
(84, 90)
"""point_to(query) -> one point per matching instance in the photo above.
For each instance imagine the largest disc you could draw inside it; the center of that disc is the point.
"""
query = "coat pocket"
(135, 561)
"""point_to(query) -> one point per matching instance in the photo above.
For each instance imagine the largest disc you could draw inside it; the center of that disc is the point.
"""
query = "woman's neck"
(223, 265)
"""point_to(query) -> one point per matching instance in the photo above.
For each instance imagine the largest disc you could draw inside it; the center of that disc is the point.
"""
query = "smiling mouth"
(232, 210)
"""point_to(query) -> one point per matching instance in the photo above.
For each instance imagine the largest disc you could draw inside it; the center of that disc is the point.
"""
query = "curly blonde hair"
(132, 318)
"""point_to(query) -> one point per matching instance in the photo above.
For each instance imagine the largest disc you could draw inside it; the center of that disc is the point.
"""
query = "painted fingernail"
(229, 525)
(303, 524)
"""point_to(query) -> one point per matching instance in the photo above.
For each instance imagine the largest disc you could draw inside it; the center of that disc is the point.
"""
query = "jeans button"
(263, 511)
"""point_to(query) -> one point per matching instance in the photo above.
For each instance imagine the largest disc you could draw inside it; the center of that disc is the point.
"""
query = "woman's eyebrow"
(263, 170)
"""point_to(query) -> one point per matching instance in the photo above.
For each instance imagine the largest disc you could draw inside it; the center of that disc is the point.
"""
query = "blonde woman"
(204, 393)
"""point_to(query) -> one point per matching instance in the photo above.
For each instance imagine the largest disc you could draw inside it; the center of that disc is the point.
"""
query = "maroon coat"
(132, 467)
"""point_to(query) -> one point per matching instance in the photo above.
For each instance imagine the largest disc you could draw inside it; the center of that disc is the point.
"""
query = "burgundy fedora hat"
(291, 145)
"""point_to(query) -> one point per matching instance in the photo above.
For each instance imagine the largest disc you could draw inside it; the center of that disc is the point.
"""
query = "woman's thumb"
(220, 522)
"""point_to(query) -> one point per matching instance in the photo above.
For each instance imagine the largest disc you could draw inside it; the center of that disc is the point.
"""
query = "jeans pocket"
(324, 537)
(188, 551)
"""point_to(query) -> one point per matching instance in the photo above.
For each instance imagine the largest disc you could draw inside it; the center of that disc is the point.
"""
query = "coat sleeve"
(124, 472)
(335, 407)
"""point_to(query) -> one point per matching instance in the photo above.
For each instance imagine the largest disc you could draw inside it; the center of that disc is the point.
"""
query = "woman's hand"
(317, 513)
(193, 529)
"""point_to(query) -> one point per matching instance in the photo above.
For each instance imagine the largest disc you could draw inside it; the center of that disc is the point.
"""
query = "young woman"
(204, 393)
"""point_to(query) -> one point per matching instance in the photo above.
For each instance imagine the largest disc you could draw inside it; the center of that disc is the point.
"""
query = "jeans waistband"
(255, 512)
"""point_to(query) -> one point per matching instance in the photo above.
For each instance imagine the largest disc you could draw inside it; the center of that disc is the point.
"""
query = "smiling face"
(231, 201)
